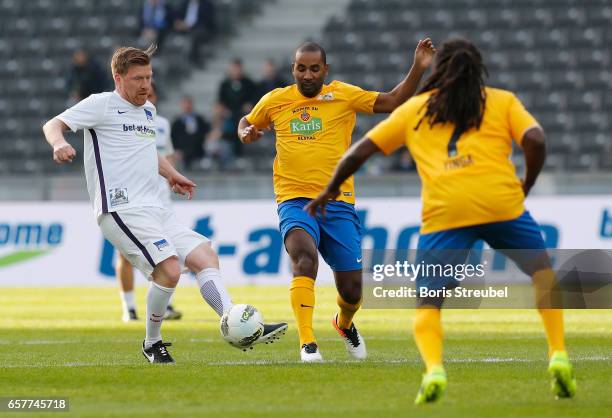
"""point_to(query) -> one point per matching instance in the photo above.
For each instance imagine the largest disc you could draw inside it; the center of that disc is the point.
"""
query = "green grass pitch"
(71, 342)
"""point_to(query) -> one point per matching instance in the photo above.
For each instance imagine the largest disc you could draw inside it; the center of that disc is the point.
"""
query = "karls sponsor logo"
(306, 128)
(141, 131)
(306, 125)
(23, 241)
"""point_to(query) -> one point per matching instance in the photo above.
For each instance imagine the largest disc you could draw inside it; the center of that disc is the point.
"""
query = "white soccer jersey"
(163, 139)
(165, 148)
(120, 155)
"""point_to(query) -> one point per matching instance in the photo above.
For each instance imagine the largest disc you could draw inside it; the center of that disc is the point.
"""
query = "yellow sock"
(547, 301)
(553, 324)
(546, 296)
(428, 335)
(303, 301)
(347, 311)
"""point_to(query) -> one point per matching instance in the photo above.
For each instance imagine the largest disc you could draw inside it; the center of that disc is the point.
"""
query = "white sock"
(213, 290)
(127, 300)
(157, 301)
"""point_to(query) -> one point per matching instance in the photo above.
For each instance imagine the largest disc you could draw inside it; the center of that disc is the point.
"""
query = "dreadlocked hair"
(458, 81)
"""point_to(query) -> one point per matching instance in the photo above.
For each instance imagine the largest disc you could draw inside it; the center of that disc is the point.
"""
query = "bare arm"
(248, 133)
(534, 147)
(179, 183)
(172, 159)
(423, 56)
(348, 165)
(165, 168)
(54, 134)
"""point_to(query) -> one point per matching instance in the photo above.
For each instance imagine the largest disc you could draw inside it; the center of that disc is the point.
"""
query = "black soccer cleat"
(271, 333)
(157, 353)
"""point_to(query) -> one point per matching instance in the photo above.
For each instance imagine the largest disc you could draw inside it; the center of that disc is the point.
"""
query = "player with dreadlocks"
(460, 133)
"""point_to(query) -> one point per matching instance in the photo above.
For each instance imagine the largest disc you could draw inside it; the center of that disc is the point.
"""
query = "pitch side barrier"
(39, 239)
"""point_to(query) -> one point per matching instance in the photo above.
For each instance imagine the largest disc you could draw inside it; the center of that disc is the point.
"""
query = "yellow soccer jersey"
(312, 134)
(473, 182)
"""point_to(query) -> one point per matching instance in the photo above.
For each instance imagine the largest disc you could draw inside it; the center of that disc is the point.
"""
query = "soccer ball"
(241, 326)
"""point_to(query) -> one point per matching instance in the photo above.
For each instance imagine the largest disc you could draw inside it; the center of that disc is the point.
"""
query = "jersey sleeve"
(519, 119)
(259, 115)
(392, 133)
(360, 100)
(85, 114)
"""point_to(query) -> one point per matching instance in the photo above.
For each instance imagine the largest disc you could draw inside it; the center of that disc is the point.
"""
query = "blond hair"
(126, 56)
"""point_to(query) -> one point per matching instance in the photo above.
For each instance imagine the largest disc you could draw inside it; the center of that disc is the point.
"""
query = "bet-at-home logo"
(306, 125)
(141, 131)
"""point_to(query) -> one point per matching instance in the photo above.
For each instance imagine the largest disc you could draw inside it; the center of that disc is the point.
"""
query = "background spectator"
(219, 148)
(155, 22)
(189, 131)
(237, 95)
(196, 18)
(271, 79)
(86, 77)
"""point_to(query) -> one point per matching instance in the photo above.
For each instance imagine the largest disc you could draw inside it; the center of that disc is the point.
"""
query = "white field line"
(97, 341)
(75, 364)
(296, 362)
(407, 338)
(402, 361)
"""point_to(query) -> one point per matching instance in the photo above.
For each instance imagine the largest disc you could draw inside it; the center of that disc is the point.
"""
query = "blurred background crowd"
(216, 58)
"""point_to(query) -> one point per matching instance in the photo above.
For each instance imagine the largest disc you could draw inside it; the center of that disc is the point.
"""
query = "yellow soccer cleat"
(433, 386)
(563, 382)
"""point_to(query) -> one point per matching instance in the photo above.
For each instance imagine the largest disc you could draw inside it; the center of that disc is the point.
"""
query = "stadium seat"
(36, 47)
(557, 62)
(553, 53)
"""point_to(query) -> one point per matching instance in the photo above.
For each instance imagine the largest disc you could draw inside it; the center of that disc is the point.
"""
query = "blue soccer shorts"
(522, 233)
(337, 236)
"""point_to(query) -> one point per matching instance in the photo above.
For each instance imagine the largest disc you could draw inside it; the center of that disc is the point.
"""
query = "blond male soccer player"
(124, 270)
(122, 168)
(314, 122)
(460, 134)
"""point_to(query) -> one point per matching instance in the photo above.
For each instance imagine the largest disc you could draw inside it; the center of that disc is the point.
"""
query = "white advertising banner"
(59, 243)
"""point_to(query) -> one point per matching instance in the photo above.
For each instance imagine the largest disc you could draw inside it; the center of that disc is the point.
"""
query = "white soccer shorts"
(147, 236)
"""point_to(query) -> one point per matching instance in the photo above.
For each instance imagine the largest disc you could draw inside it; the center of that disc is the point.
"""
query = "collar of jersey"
(128, 103)
(324, 89)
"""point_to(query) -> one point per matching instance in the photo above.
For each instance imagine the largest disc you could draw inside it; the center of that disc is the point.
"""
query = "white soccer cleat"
(310, 353)
(353, 341)
(129, 315)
